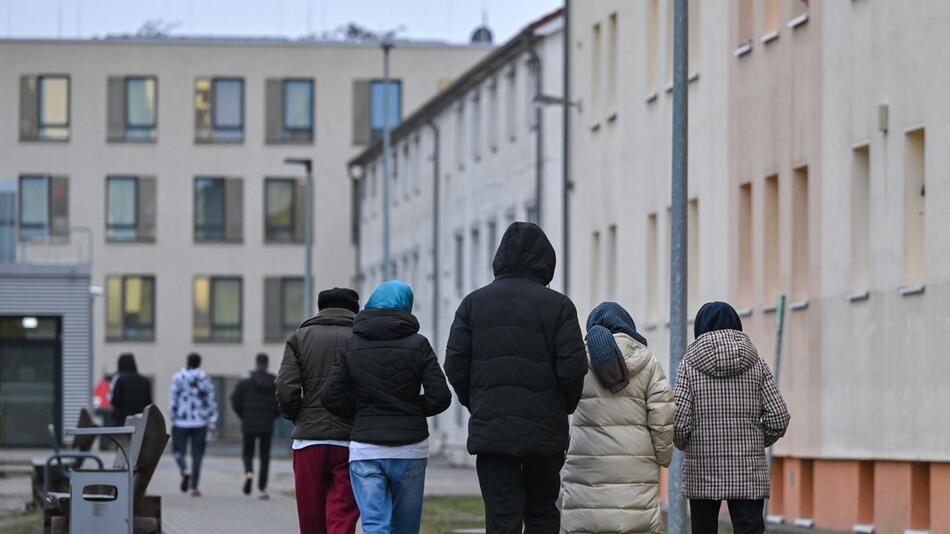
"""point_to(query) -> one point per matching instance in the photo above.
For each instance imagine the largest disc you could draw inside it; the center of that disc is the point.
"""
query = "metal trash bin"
(99, 501)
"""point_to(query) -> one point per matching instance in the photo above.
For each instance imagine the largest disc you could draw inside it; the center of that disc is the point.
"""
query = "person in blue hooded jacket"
(376, 381)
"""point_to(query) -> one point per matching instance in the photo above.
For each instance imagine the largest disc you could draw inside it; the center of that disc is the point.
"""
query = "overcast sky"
(449, 20)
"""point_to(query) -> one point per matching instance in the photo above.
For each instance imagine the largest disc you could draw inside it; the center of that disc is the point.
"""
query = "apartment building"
(483, 153)
(170, 152)
(813, 173)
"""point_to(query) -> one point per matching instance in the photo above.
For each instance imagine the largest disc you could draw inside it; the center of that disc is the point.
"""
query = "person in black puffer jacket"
(517, 361)
(131, 392)
(254, 402)
(376, 380)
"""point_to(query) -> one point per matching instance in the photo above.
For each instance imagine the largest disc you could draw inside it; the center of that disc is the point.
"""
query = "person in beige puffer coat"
(621, 432)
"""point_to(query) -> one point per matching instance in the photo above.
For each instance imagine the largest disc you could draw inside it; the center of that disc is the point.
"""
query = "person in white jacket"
(621, 432)
(194, 414)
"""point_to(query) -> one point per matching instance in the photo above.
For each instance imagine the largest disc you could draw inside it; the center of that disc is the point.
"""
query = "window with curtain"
(283, 210)
(130, 308)
(219, 110)
(44, 107)
(141, 116)
(217, 309)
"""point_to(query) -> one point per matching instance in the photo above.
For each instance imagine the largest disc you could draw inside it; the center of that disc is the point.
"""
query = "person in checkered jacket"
(728, 411)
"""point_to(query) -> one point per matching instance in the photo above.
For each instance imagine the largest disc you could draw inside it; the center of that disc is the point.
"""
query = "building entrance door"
(30, 398)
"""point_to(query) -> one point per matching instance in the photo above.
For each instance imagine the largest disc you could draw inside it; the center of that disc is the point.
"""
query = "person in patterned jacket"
(728, 411)
(194, 414)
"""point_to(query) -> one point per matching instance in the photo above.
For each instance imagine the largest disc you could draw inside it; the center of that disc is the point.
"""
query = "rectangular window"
(474, 270)
(141, 99)
(652, 268)
(493, 115)
(283, 210)
(459, 264)
(289, 110)
(460, 135)
(653, 47)
(530, 88)
(914, 205)
(130, 208)
(476, 126)
(217, 308)
(801, 250)
(43, 207)
(692, 255)
(218, 209)
(595, 270)
(744, 21)
(595, 73)
(692, 60)
(744, 250)
(511, 103)
(7, 222)
(612, 63)
(130, 308)
(219, 109)
(385, 103)
(860, 218)
(44, 108)
(771, 245)
(772, 16)
(492, 244)
(283, 307)
(611, 260)
(669, 42)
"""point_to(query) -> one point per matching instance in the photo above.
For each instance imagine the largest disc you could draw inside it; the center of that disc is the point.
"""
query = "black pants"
(520, 490)
(746, 516)
(247, 453)
(181, 437)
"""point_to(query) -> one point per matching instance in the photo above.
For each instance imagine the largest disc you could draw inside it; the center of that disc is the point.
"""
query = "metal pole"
(308, 246)
(386, 45)
(565, 153)
(678, 258)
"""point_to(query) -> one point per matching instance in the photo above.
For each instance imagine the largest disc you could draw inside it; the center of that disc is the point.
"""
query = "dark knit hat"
(339, 297)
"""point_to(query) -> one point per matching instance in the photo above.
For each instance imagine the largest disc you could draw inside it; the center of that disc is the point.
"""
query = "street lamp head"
(306, 162)
(356, 172)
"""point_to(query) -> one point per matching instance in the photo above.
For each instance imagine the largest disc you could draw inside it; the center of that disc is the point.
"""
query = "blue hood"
(391, 295)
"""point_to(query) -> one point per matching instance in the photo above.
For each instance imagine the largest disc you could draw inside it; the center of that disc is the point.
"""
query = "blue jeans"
(389, 494)
(181, 437)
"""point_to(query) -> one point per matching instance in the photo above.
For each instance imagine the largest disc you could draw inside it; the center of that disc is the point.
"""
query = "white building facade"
(482, 154)
(170, 152)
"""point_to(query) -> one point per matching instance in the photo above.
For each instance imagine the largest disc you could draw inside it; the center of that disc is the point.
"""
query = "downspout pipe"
(436, 229)
(566, 185)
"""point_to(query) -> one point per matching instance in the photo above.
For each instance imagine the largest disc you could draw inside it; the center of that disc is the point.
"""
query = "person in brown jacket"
(728, 411)
(325, 502)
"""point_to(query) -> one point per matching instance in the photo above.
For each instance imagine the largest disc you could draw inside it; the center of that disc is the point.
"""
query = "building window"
(914, 205)
(653, 47)
(219, 204)
(595, 269)
(744, 249)
(860, 217)
(493, 115)
(459, 263)
(652, 268)
(801, 251)
(692, 60)
(130, 208)
(460, 135)
(771, 245)
(130, 308)
(43, 207)
(283, 307)
(44, 108)
(612, 63)
(772, 16)
(219, 110)
(476, 126)
(744, 22)
(379, 108)
(669, 42)
(217, 308)
(692, 255)
(530, 89)
(492, 243)
(611, 261)
(132, 108)
(7, 222)
(511, 103)
(289, 110)
(283, 210)
(475, 262)
(595, 73)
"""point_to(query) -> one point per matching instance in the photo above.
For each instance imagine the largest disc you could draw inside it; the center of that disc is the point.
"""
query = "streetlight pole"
(678, 253)
(386, 44)
(307, 234)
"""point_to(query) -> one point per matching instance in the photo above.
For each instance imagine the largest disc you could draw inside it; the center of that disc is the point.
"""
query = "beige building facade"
(170, 153)
(814, 173)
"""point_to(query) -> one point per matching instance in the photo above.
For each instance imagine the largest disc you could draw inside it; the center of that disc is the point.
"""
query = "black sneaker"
(247, 484)
(185, 479)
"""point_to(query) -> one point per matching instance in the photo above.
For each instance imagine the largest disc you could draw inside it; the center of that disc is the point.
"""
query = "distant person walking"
(377, 380)
(131, 392)
(321, 454)
(516, 360)
(621, 432)
(728, 411)
(253, 401)
(194, 414)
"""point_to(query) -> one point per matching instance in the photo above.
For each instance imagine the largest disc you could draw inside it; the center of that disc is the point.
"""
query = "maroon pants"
(325, 503)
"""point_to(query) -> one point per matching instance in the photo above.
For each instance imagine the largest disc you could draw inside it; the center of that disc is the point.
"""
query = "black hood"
(714, 316)
(126, 364)
(262, 380)
(525, 252)
(384, 324)
(331, 317)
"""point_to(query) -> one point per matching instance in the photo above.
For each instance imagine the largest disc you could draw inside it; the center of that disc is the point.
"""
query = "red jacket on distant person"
(100, 395)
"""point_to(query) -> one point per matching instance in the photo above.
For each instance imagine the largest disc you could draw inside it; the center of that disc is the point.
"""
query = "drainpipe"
(566, 185)
(535, 63)
(436, 278)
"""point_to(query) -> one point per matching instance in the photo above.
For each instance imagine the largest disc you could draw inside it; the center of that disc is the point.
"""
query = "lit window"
(217, 308)
(44, 108)
(130, 308)
(219, 109)
(283, 206)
